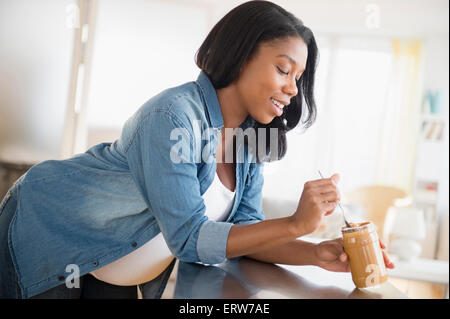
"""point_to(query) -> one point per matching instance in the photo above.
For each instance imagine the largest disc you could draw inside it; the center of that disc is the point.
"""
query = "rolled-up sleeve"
(161, 159)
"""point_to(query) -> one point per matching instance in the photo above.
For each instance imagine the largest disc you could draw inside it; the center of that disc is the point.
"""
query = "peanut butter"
(362, 246)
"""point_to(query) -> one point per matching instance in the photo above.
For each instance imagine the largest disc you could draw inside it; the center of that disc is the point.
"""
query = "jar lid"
(358, 227)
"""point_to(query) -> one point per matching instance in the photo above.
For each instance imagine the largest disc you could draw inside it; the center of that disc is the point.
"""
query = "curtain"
(401, 117)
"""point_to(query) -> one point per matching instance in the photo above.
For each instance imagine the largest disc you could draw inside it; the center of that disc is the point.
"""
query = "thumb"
(335, 178)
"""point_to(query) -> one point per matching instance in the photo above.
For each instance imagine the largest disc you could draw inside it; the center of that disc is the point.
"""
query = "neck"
(233, 112)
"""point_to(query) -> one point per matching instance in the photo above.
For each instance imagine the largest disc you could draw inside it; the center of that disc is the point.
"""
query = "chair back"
(376, 200)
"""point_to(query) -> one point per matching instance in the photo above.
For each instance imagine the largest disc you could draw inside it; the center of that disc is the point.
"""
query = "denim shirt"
(101, 205)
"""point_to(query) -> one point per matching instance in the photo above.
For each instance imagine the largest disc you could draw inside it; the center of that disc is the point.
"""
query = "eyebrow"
(287, 57)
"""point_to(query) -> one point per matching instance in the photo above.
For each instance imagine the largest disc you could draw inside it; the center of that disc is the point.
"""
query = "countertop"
(246, 278)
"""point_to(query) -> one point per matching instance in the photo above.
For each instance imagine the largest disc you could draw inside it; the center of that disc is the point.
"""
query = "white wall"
(436, 77)
(35, 59)
(412, 18)
(133, 59)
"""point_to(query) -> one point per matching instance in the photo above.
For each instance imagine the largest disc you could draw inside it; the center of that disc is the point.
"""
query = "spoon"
(342, 210)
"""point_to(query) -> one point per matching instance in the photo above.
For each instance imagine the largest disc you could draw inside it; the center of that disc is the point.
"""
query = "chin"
(268, 120)
(263, 119)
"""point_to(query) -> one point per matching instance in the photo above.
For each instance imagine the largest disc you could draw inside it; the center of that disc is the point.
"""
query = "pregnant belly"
(140, 266)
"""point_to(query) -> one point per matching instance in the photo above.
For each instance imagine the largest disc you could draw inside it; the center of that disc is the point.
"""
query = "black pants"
(90, 288)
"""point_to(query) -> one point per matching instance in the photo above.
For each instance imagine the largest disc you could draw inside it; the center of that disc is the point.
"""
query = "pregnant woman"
(178, 183)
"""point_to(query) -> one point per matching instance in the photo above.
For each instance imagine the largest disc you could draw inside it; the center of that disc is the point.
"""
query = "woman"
(166, 188)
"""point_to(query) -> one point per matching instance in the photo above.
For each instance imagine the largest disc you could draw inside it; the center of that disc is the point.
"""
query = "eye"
(281, 71)
(287, 73)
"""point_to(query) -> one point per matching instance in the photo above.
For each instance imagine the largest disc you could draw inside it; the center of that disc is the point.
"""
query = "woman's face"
(267, 81)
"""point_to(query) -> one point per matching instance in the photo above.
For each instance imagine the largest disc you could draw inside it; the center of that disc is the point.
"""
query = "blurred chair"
(376, 200)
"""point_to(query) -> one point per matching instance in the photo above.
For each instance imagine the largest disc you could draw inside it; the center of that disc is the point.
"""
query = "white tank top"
(148, 261)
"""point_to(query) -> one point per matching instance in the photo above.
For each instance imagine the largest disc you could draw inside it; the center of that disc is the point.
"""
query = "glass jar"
(362, 246)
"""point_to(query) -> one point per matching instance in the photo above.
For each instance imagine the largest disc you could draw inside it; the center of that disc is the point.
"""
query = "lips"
(277, 106)
(279, 102)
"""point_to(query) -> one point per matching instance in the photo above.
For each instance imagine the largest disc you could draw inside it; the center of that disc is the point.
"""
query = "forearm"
(296, 252)
(255, 238)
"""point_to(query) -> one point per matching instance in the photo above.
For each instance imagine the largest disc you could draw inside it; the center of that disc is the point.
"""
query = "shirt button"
(134, 244)
(61, 278)
(95, 263)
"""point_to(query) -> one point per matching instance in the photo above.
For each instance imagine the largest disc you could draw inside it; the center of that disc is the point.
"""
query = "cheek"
(254, 92)
(266, 90)
(271, 83)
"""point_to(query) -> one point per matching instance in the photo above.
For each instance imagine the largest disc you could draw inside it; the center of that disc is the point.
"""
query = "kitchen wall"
(35, 59)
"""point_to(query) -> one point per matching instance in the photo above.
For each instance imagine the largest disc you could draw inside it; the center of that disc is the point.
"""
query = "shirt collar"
(212, 102)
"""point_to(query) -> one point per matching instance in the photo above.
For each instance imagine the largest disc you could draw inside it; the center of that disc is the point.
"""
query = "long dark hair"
(236, 38)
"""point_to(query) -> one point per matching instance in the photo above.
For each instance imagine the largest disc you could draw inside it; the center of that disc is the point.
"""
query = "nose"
(290, 88)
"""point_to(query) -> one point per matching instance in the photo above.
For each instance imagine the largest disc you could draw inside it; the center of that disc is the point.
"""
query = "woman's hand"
(389, 264)
(331, 256)
(319, 198)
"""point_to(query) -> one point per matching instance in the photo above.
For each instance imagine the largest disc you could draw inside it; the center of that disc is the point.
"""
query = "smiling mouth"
(277, 106)
(277, 103)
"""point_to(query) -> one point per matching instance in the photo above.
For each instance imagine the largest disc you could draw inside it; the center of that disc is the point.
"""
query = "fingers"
(328, 208)
(347, 268)
(326, 202)
(343, 257)
(382, 245)
(340, 254)
(318, 196)
(336, 245)
(330, 196)
(322, 190)
(333, 180)
(387, 262)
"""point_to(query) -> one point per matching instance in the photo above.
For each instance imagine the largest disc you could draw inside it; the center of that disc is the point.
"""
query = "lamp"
(407, 229)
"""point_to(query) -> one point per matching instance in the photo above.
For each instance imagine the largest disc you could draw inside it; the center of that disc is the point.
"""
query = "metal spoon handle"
(339, 204)
(343, 215)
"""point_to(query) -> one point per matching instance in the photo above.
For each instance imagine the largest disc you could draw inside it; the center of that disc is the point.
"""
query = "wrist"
(315, 261)
(308, 255)
(295, 227)
(292, 227)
